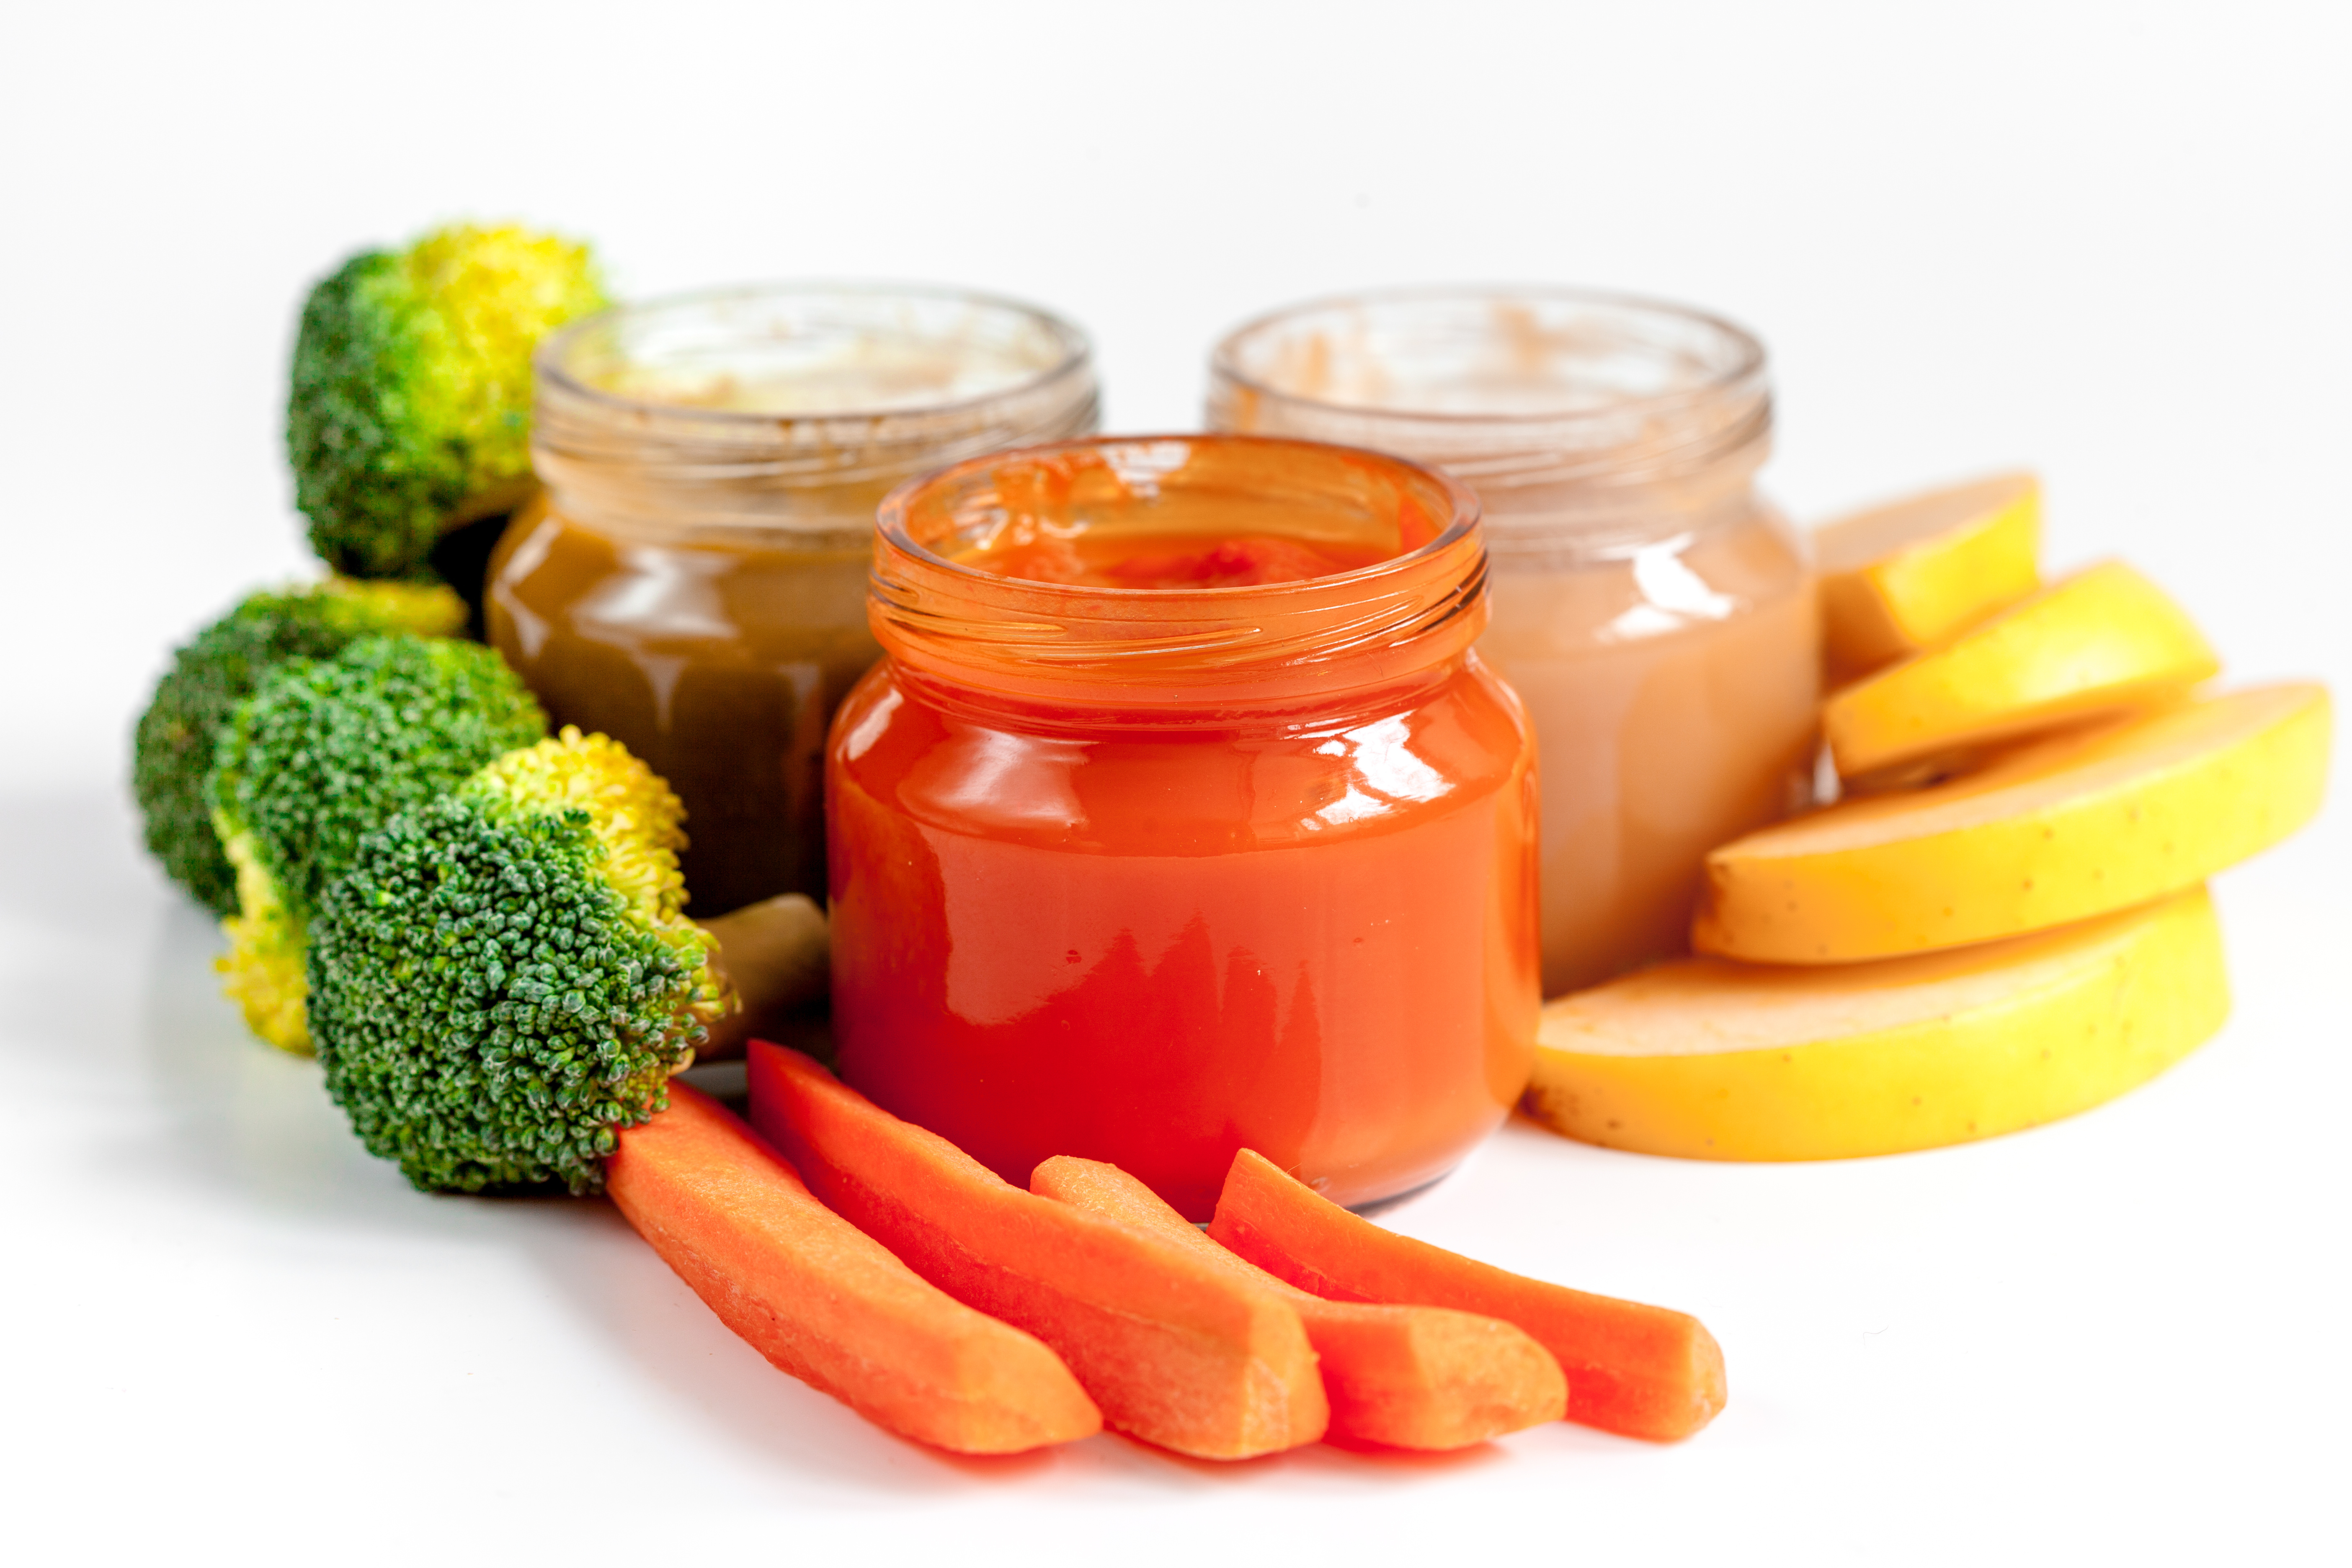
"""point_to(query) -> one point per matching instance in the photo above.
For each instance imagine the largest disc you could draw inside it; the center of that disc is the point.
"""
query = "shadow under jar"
(1655, 613)
(691, 578)
(1180, 818)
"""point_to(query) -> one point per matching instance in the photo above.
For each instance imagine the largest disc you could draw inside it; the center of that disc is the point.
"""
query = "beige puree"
(1654, 615)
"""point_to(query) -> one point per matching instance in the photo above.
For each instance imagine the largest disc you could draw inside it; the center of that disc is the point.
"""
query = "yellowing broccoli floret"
(320, 754)
(632, 810)
(505, 977)
(412, 387)
(262, 971)
(635, 816)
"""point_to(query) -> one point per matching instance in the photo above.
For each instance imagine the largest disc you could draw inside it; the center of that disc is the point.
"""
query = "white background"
(2113, 243)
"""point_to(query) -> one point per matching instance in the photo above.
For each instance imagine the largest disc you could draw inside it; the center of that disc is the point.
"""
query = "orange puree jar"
(1180, 817)
(691, 579)
(1654, 613)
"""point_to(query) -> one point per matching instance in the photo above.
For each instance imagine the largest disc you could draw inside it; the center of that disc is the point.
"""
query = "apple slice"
(2103, 639)
(2061, 830)
(1708, 1059)
(1904, 577)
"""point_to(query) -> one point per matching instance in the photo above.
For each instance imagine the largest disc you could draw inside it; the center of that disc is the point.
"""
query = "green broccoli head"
(412, 387)
(322, 752)
(505, 980)
(172, 752)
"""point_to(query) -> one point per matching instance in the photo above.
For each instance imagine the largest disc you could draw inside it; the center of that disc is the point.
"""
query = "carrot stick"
(1172, 1349)
(1642, 1371)
(827, 1304)
(1410, 1377)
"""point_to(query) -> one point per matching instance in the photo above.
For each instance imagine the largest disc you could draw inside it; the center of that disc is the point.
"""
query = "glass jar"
(691, 579)
(1654, 613)
(1153, 873)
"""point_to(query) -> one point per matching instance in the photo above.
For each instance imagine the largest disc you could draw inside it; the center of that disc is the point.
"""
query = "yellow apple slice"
(2104, 639)
(2058, 830)
(1714, 1060)
(1904, 577)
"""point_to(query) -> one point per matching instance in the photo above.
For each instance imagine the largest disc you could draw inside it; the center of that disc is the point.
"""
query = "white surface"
(2109, 242)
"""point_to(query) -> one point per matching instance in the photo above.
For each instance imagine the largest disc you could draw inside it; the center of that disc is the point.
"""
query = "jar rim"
(891, 519)
(548, 360)
(1747, 359)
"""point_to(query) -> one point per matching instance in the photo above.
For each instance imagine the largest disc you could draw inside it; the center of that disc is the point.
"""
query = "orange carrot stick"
(1172, 1350)
(1642, 1371)
(830, 1305)
(1410, 1377)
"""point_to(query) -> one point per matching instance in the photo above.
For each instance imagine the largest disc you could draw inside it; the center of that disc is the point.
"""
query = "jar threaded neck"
(793, 408)
(1583, 419)
(1180, 646)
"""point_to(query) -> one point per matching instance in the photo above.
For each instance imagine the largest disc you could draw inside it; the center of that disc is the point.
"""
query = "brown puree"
(720, 666)
(692, 581)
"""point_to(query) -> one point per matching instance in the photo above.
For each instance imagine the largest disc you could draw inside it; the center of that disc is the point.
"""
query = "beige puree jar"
(1653, 612)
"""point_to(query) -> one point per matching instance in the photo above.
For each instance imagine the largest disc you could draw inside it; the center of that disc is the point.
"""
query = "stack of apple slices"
(2003, 920)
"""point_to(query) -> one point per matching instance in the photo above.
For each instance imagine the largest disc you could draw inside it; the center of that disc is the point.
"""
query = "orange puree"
(1151, 878)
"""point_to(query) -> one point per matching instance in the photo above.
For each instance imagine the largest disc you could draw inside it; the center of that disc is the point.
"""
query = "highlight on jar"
(1180, 817)
(691, 578)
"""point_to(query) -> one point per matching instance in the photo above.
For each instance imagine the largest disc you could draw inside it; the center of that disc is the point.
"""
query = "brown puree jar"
(1653, 612)
(691, 579)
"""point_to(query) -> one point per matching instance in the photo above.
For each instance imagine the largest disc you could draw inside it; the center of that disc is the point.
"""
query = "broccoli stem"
(776, 955)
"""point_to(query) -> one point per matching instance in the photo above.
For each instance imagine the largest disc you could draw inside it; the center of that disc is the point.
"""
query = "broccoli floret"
(504, 979)
(323, 751)
(171, 751)
(412, 388)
